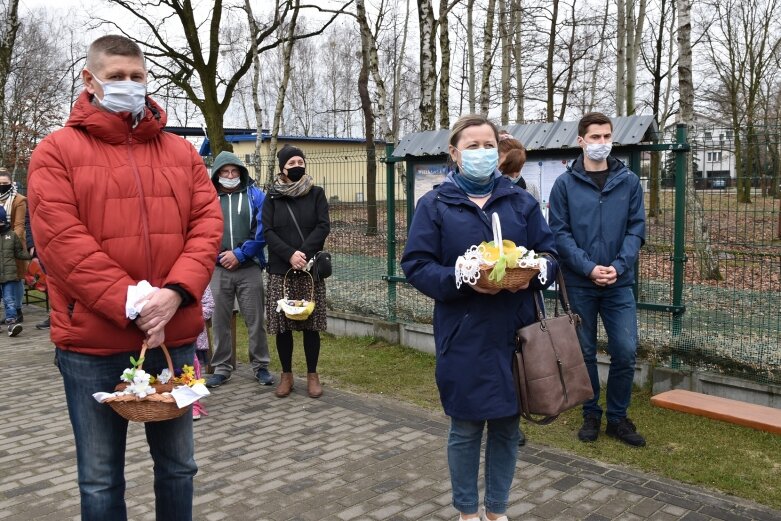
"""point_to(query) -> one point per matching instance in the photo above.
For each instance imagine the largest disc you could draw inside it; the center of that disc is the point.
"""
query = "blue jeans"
(19, 293)
(463, 457)
(618, 310)
(101, 435)
(9, 299)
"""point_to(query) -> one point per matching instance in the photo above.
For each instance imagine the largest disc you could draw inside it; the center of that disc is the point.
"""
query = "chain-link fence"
(728, 320)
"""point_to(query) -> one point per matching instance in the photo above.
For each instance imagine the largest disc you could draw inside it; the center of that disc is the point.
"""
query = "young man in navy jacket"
(598, 218)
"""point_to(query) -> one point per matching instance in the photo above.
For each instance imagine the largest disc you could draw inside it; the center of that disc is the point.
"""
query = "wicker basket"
(514, 278)
(297, 309)
(154, 407)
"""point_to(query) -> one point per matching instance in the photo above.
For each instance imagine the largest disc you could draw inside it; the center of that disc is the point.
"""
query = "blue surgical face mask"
(230, 182)
(123, 96)
(598, 151)
(479, 164)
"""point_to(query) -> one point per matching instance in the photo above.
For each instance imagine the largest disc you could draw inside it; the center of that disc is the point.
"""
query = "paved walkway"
(343, 457)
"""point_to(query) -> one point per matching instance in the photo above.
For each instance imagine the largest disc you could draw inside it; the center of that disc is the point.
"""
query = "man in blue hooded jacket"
(598, 218)
(239, 273)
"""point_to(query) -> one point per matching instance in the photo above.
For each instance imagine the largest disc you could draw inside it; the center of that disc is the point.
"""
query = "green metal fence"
(687, 320)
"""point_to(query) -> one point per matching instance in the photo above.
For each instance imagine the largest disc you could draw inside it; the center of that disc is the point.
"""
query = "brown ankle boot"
(285, 385)
(313, 386)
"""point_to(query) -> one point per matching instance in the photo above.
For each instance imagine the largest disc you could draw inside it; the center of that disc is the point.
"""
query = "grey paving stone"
(344, 457)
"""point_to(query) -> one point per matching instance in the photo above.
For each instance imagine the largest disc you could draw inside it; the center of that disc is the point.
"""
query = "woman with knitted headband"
(295, 225)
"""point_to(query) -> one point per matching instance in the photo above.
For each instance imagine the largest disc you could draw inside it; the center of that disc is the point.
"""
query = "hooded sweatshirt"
(241, 209)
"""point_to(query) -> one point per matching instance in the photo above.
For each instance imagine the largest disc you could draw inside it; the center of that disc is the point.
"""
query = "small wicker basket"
(514, 278)
(154, 407)
(297, 309)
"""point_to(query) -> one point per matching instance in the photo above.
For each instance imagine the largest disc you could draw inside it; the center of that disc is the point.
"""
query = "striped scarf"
(297, 189)
(7, 199)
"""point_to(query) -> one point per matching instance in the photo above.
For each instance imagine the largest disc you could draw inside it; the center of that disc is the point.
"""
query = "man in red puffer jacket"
(114, 200)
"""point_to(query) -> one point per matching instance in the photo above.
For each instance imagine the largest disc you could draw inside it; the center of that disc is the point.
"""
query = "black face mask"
(4, 189)
(296, 173)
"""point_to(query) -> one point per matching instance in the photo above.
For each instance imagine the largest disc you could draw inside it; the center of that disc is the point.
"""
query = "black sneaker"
(590, 429)
(19, 316)
(625, 431)
(264, 377)
(14, 329)
(46, 324)
(216, 380)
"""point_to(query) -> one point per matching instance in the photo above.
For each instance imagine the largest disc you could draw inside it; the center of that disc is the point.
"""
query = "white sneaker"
(484, 516)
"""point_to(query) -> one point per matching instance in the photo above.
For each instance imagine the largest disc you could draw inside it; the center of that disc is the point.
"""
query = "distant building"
(336, 164)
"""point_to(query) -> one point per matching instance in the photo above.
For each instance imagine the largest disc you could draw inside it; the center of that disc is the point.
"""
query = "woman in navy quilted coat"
(474, 328)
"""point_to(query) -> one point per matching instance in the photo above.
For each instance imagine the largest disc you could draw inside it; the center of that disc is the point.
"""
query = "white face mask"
(230, 182)
(598, 151)
(123, 96)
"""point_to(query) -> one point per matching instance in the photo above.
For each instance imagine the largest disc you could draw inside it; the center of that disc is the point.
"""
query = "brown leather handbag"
(550, 373)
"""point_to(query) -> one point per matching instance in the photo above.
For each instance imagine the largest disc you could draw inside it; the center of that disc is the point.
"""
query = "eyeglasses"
(230, 172)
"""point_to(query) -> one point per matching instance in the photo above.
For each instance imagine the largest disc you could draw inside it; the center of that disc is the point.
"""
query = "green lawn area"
(732, 459)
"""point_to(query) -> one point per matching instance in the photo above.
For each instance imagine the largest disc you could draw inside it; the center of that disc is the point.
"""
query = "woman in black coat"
(295, 225)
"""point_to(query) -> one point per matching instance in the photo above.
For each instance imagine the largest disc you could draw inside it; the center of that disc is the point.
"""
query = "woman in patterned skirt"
(295, 225)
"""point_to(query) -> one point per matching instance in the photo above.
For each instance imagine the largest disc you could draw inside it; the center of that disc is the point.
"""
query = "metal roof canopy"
(559, 135)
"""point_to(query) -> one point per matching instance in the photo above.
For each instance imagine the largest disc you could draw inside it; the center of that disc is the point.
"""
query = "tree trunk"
(634, 32)
(504, 38)
(470, 51)
(488, 41)
(708, 264)
(600, 58)
(572, 59)
(516, 21)
(397, 79)
(369, 47)
(287, 50)
(656, 74)
(371, 160)
(444, 69)
(10, 28)
(428, 62)
(549, 61)
(621, 56)
(254, 32)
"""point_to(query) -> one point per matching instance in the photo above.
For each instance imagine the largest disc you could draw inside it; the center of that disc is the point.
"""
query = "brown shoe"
(285, 385)
(313, 386)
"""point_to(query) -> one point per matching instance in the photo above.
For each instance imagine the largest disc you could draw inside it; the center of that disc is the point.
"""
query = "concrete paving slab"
(342, 457)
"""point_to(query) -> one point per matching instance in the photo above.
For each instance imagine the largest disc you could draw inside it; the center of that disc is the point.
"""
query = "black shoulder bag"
(318, 266)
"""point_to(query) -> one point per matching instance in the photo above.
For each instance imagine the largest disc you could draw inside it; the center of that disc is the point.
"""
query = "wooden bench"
(733, 411)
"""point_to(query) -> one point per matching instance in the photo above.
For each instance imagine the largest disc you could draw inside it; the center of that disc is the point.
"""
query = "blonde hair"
(470, 120)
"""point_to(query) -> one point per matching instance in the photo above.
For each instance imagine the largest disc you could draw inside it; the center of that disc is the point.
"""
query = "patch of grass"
(729, 458)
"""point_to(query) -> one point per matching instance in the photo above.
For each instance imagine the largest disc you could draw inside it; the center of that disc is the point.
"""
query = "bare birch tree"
(620, 56)
(506, 45)
(287, 50)
(516, 43)
(428, 62)
(549, 62)
(470, 55)
(659, 63)
(254, 32)
(488, 42)
(634, 41)
(708, 264)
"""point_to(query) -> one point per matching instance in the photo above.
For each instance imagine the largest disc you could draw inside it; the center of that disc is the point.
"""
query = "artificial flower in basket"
(499, 264)
(144, 398)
